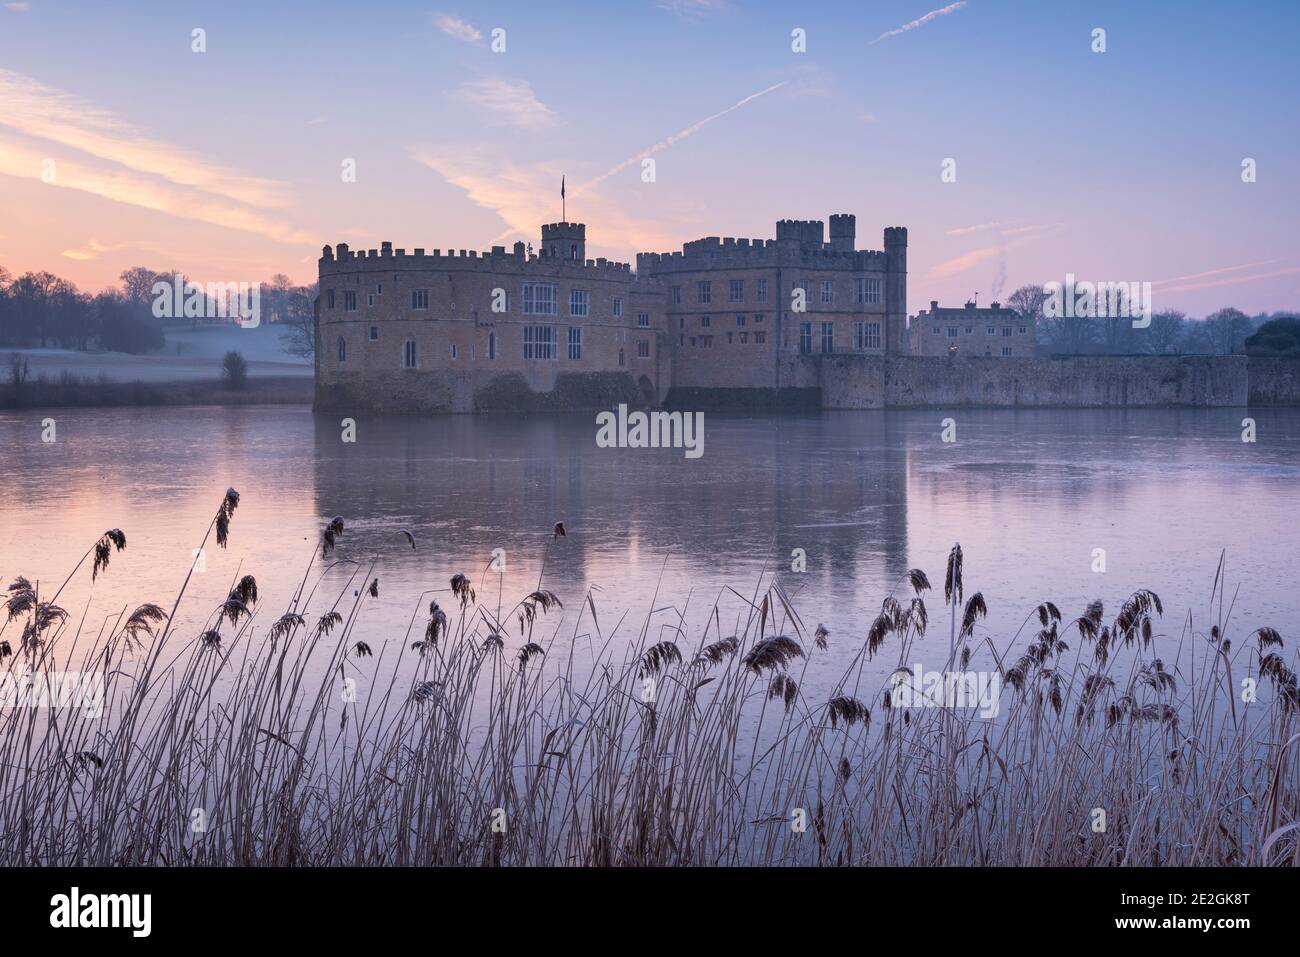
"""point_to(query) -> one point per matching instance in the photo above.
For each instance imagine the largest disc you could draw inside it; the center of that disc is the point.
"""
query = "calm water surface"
(1029, 494)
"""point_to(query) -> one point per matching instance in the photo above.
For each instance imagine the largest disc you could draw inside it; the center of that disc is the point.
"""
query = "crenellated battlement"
(799, 244)
(729, 253)
(343, 259)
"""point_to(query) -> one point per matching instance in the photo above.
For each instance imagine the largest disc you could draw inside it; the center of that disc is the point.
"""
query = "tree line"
(40, 309)
(1227, 331)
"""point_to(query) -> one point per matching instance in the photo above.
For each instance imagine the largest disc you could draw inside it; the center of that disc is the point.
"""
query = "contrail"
(676, 137)
(919, 21)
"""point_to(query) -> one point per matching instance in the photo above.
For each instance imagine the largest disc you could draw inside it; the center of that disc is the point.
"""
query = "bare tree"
(1164, 333)
(300, 320)
(1227, 330)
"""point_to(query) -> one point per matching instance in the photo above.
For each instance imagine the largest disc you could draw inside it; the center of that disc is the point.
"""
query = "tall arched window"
(492, 345)
(343, 349)
(408, 354)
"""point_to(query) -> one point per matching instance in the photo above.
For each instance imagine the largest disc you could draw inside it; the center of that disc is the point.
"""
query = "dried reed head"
(772, 653)
(113, 538)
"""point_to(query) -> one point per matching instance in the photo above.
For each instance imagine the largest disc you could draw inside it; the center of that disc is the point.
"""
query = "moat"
(1030, 495)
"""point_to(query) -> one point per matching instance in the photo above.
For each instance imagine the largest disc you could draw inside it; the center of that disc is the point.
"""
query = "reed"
(480, 739)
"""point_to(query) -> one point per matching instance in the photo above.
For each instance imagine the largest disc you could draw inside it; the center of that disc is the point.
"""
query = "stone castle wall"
(427, 332)
(864, 382)
(1274, 381)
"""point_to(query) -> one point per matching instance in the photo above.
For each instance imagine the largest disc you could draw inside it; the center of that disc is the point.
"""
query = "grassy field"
(68, 390)
(472, 740)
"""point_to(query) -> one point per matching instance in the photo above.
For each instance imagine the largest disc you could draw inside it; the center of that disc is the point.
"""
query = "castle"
(794, 322)
(464, 331)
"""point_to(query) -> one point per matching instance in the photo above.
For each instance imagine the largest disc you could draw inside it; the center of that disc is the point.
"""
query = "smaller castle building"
(995, 332)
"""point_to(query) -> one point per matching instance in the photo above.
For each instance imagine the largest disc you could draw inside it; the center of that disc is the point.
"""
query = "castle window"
(643, 320)
(329, 299)
(969, 330)
(1006, 351)
(618, 307)
(762, 290)
(379, 289)
(744, 338)
(736, 290)
(828, 337)
(1024, 330)
(643, 349)
(867, 291)
(620, 357)
(729, 338)
(408, 354)
(370, 299)
(374, 333)
(993, 331)
(681, 322)
(677, 295)
(681, 340)
(573, 251)
(952, 332)
(419, 299)
(866, 335)
(1006, 331)
(539, 299)
(740, 320)
(349, 300)
(539, 342)
(805, 337)
(579, 302)
(708, 341)
(704, 322)
(575, 342)
(760, 338)
(828, 291)
(492, 345)
(704, 292)
(455, 351)
(343, 349)
(936, 330)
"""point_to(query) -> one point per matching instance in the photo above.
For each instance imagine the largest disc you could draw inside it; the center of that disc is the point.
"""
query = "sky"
(120, 145)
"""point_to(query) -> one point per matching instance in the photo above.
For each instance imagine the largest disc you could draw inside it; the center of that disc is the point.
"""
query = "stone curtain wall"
(866, 382)
(1274, 381)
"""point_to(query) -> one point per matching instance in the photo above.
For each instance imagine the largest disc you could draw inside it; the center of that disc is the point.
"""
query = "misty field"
(472, 740)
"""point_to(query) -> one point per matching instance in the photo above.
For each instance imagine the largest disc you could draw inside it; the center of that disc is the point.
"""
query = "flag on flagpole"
(564, 213)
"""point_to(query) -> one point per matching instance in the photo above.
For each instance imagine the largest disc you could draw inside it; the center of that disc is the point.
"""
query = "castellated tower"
(843, 229)
(566, 241)
(896, 291)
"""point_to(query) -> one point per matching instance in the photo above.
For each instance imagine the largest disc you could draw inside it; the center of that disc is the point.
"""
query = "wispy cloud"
(1230, 281)
(147, 192)
(41, 111)
(921, 21)
(525, 196)
(510, 101)
(18, 6)
(455, 27)
(971, 259)
(1214, 272)
(93, 249)
(318, 120)
(694, 9)
(979, 228)
(677, 137)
